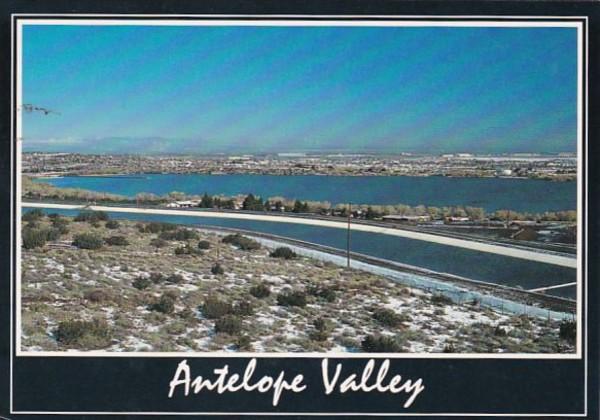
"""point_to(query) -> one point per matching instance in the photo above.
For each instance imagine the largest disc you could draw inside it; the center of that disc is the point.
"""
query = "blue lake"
(472, 264)
(524, 195)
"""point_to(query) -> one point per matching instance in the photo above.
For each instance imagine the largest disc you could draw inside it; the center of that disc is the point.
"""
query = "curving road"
(475, 245)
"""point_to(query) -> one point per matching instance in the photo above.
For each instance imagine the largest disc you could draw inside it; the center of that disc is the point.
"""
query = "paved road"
(475, 245)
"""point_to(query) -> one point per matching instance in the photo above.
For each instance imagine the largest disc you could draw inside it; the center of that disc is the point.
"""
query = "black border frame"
(593, 68)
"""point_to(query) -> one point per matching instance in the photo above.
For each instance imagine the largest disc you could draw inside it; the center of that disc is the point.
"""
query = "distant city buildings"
(524, 165)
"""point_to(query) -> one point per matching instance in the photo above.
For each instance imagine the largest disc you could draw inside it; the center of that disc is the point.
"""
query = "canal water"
(442, 258)
(523, 195)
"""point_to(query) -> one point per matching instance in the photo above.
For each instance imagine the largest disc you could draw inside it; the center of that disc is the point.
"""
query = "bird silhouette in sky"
(29, 108)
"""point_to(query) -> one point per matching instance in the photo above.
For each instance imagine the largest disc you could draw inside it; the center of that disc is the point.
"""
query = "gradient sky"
(276, 89)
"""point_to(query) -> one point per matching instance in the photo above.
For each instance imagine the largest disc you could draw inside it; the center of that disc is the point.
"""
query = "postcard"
(300, 214)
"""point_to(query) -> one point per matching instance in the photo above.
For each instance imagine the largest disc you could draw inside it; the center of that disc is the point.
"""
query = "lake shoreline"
(490, 193)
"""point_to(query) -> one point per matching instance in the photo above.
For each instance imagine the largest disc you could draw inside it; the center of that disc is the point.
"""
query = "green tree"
(371, 214)
(207, 201)
(252, 203)
(475, 213)
(300, 207)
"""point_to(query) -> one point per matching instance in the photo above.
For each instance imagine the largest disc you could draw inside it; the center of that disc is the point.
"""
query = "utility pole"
(348, 236)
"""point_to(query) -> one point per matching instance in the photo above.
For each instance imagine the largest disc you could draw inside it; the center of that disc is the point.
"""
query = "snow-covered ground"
(337, 313)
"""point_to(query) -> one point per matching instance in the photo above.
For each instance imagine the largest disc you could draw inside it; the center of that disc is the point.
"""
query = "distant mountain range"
(162, 145)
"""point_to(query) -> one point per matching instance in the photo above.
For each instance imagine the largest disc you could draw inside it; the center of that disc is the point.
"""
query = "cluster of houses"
(183, 204)
(237, 204)
(397, 218)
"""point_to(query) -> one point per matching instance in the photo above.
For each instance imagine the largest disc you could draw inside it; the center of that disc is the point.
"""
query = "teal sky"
(132, 89)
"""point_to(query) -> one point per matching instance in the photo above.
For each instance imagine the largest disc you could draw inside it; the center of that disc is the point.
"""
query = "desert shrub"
(213, 308)
(475, 302)
(323, 292)
(88, 241)
(178, 235)
(380, 344)
(89, 334)
(141, 283)
(243, 342)
(34, 224)
(439, 299)
(185, 234)
(294, 298)
(187, 314)
(322, 329)
(33, 238)
(173, 294)
(349, 343)
(157, 227)
(92, 216)
(175, 328)
(321, 324)
(328, 294)
(158, 243)
(165, 304)
(61, 224)
(283, 252)
(260, 291)
(97, 295)
(52, 234)
(318, 335)
(156, 278)
(229, 324)
(204, 245)
(175, 278)
(117, 241)
(32, 215)
(241, 242)
(61, 227)
(387, 317)
(568, 331)
(243, 308)
(449, 348)
(499, 331)
(217, 269)
(53, 216)
(112, 224)
(187, 250)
